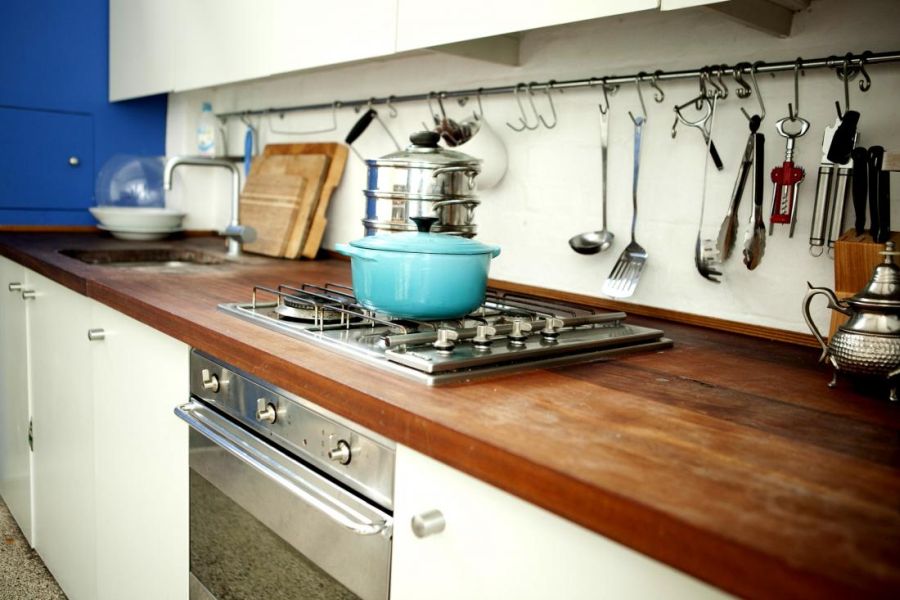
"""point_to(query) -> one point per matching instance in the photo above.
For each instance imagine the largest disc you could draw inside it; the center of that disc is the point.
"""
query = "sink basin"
(142, 257)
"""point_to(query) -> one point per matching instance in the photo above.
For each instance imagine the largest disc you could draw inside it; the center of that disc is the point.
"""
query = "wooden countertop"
(726, 457)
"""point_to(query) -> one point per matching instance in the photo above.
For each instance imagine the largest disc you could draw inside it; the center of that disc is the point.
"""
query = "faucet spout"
(235, 232)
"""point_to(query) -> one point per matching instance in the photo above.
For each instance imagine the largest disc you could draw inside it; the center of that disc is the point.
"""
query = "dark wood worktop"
(725, 456)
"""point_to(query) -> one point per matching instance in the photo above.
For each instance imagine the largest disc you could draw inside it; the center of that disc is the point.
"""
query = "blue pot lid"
(424, 243)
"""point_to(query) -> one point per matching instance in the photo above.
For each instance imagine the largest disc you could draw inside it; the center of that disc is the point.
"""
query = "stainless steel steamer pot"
(422, 180)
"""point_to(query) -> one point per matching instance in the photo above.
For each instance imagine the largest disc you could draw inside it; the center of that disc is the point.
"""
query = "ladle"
(597, 241)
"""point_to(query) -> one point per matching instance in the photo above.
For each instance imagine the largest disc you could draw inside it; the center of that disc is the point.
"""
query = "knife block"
(855, 257)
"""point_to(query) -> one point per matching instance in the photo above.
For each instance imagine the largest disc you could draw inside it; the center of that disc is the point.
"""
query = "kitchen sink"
(144, 257)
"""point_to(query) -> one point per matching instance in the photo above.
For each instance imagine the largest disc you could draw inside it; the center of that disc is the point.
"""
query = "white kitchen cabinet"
(142, 57)
(63, 418)
(495, 545)
(15, 409)
(328, 33)
(424, 23)
(141, 458)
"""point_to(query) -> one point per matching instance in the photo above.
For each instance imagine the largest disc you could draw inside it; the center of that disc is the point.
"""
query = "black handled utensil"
(860, 185)
(843, 140)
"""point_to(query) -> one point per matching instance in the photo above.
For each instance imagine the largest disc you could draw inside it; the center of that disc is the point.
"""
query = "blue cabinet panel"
(36, 148)
(54, 104)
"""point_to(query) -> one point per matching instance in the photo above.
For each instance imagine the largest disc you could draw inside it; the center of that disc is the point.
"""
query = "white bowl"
(140, 234)
(130, 217)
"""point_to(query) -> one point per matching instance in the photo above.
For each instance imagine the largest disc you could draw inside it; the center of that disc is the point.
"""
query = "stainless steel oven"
(286, 499)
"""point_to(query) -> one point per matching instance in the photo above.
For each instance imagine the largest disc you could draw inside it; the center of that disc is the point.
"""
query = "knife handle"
(860, 185)
(842, 143)
(884, 207)
(759, 174)
(360, 126)
(715, 156)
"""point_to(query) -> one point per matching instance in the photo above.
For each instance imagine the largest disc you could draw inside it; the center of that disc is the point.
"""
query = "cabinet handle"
(74, 161)
(428, 523)
(28, 295)
(15, 287)
(96, 335)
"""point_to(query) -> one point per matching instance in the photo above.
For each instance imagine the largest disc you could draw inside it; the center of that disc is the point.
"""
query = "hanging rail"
(853, 62)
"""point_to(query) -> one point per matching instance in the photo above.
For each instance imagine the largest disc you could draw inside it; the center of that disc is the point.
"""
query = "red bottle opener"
(787, 178)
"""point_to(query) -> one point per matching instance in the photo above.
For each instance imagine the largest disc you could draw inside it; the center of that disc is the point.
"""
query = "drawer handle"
(96, 335)
(28, 295)
(74, 161)
(15, 287)
(428, 523)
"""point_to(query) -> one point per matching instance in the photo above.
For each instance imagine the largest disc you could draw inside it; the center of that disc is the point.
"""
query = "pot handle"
(833, 303)
(469, 170)
(353, 251)
(469, 203)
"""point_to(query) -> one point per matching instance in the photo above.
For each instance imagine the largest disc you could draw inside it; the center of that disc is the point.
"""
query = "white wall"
(552, 188)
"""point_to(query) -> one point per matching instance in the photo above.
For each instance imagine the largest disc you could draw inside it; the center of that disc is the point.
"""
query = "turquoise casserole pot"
(427, 276)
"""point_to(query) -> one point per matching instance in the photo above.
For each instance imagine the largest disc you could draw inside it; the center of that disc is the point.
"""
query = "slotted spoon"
(623, 278)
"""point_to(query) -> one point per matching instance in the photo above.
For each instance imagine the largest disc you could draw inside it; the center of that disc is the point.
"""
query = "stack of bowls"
(424, 180)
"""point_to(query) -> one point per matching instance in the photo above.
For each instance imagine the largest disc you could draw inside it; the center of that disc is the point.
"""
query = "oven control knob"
(341, 453)
(482, 339)
(265, 411)
(551, 329)
(210, 382)
(446, 340)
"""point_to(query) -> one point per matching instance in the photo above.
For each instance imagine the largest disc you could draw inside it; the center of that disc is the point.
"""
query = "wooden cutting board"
(337, 154)
(281, 193)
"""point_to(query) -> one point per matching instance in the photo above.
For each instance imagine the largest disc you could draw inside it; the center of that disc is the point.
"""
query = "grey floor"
(23, 575)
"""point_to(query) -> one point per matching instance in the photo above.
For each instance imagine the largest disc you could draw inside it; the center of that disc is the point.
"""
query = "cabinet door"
(423, 23)
(141, 450)
(15, 455)
(326, 33)
(48, 165)
(63, 417)
(142, 58)
(495, 545)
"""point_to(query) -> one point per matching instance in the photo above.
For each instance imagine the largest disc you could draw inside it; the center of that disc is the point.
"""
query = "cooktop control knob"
(551, 329)
(519, 332)
(446, 340)
(482, 339)
(341, 453)
(210, 382)
(265, 411)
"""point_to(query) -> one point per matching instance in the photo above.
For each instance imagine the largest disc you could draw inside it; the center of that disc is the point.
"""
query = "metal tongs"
(728, 231)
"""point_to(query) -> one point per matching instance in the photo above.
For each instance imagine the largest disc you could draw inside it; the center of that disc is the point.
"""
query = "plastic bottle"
(206, 131)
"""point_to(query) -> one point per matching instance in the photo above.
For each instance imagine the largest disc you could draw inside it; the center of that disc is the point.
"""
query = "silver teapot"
(868, 343)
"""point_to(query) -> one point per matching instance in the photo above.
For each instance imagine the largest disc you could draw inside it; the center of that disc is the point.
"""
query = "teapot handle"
(833, 303)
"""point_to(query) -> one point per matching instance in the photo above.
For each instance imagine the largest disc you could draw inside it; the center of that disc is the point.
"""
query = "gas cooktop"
(508, 333)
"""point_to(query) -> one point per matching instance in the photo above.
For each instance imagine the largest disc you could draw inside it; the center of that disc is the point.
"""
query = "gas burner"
(508, 333)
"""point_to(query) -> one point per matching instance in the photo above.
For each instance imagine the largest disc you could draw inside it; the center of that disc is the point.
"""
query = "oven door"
(264, 525)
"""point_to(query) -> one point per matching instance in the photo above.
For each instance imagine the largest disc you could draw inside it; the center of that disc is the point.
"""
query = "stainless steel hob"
(508, 333)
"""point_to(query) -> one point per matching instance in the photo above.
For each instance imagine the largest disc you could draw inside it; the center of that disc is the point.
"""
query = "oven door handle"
(258, 455)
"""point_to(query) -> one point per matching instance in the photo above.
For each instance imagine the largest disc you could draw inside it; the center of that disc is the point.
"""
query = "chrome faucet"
(236, 233)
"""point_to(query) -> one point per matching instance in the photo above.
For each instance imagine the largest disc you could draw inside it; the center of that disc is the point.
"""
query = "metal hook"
(793, 116)
(604, 109)
(743, 92)
(390, 104)
(637, 82)
(866, 82)
(440, 101)
(478, 115)
(539, 118)
(434, 115)
(702, 79)
(522, 120)
(547, 90)
(723, 88)
(759, 98)
(659, 95)
(718, 91)
(844, 75)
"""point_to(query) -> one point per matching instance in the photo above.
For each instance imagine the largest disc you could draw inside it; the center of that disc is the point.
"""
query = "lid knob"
(424, 224)
(425, 139)
(889, 253)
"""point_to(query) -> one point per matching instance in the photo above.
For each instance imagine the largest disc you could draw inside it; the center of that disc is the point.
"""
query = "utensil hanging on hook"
(597, 241)
(702, 124)
(843, 140)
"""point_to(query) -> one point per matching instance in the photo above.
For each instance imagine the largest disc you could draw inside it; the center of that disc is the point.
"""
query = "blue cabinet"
(54, 105)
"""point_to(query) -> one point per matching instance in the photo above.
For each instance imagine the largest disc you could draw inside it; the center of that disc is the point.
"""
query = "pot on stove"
(424, 180)
(425, 276)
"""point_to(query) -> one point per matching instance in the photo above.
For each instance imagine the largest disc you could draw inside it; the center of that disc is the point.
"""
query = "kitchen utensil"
(787, 178)
(728, 230)
(361, 125)
(860, 186)
(337, 154)
(832, 187)
(279, 198)
(844, 138)
(705, 253)
(597, 241)
(701, 124)
(419, 275)
(623, 278)
(879, 210)
(755, 238)
(484, 144)
(868, 343)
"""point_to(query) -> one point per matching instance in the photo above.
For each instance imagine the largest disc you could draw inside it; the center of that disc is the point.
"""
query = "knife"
(860, 184)
(842, 142)
(876, 158)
